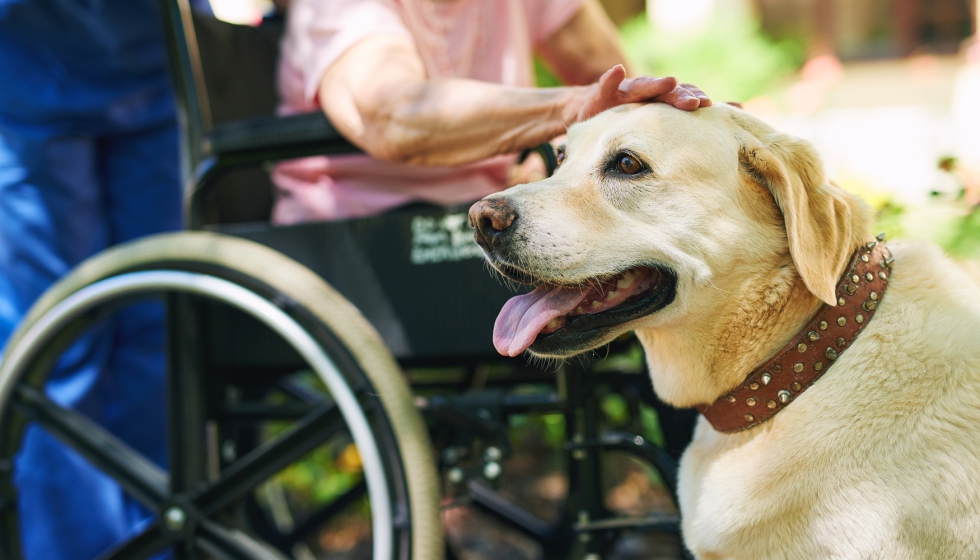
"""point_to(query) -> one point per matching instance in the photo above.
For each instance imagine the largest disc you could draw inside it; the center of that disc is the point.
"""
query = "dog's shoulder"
(892, 429)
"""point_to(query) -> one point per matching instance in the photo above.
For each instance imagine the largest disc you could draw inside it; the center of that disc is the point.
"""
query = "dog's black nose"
(491, 218)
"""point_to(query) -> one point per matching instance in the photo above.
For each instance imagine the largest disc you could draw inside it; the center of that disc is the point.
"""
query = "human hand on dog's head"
(614, 89)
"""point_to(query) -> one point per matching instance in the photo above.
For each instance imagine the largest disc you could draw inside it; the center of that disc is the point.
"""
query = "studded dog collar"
(771, 387)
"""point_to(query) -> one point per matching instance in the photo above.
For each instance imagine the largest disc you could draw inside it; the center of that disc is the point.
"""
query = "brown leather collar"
(771, 387)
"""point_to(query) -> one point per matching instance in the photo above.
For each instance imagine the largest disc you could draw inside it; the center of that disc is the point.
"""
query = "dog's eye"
(560, 155)
(628, 165)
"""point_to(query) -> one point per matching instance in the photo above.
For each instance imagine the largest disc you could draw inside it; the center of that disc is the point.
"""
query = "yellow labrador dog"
(839, 377)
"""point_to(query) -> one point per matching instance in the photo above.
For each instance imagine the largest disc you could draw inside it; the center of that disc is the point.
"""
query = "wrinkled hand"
(613, 89)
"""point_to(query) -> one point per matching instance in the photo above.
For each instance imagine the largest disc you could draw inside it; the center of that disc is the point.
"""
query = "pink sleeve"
(320, 31)
(546, 17)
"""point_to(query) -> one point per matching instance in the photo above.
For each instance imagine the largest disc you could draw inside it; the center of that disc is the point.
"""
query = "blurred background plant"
(724, 50)
(962, 238)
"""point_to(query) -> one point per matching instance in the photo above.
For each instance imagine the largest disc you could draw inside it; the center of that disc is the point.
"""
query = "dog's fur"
(881, 457)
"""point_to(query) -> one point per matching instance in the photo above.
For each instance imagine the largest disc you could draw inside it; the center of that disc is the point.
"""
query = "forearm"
(378, 96)
(455, 122)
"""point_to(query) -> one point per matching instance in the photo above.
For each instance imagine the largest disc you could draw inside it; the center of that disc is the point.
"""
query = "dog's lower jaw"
(699, 361)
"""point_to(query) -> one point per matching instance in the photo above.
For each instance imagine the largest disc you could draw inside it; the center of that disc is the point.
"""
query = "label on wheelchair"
(447, 238)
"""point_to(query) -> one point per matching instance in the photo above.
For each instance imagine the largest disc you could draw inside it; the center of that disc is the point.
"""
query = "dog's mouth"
(561, 320)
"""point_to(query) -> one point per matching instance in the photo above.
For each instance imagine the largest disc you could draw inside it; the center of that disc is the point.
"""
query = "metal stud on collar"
(756, 399)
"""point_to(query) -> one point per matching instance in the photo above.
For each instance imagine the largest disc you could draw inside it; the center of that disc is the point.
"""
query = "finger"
(703, 97)
(680, 98)
(645, 88)
(735, 104)
(610, 81)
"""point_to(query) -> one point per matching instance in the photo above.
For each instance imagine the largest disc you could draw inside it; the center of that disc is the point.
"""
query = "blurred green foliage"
(543, 77)
(962, 236)
(651, 425)
(317, 479)
(616, 409)
(730, 58)
(549, 427)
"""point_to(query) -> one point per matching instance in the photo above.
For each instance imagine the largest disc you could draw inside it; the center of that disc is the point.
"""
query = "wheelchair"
(360, 347)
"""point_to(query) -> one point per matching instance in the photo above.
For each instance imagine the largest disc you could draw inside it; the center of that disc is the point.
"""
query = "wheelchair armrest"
(263, 139)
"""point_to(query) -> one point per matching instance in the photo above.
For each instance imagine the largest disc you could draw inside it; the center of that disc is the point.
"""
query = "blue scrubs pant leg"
(63, 198)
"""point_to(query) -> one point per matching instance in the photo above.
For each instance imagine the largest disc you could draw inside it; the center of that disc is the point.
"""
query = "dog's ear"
(824, 225)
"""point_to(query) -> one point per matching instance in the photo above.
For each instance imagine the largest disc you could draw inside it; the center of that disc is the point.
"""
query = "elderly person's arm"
(378, 96)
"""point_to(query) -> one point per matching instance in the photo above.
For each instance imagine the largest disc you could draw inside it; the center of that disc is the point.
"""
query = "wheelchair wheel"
(198, 515)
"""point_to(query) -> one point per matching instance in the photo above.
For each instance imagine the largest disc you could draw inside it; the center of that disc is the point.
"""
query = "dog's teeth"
(627, 280)
(596, 304)
(553, 324)
(579, 310)
(612, 295)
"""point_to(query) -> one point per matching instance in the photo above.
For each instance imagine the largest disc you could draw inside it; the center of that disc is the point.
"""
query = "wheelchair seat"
(415, 273)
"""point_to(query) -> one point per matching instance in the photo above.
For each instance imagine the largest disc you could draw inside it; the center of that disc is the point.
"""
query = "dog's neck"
(707, 356)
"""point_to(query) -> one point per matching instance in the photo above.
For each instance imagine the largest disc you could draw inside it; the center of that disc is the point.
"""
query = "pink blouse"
(487, 40)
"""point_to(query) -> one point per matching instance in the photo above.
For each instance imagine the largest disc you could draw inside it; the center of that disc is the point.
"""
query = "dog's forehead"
(647, 122)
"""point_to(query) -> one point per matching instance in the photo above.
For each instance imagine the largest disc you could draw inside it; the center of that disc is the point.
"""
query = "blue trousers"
(66, 193)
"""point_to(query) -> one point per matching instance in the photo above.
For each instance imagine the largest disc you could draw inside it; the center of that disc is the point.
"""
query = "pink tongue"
(523, 317)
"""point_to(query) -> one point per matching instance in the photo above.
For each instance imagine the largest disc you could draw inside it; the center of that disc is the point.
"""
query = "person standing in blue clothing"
(88, 158)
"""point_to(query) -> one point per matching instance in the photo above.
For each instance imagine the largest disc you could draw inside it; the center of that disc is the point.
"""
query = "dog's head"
(660, 220)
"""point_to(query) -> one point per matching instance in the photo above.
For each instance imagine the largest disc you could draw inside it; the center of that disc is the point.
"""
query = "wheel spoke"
(508, 512)
(144, 545)
(231, 544)
(186, 392)
(271, 457)
(139, 477)
(322, 516)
